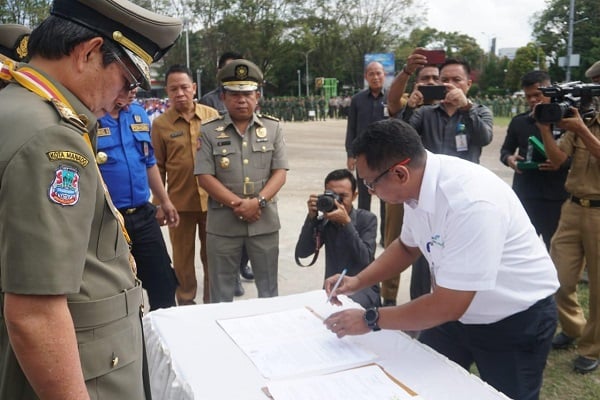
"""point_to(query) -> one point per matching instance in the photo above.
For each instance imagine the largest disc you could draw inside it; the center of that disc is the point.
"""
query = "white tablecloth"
(191, 357)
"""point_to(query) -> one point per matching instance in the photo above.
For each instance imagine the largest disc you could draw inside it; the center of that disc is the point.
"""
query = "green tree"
(551, 33)
(25, 12)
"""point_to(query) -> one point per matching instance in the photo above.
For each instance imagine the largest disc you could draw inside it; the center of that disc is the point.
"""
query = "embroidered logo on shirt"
(61, 155)
(435, 240)
(64, 189)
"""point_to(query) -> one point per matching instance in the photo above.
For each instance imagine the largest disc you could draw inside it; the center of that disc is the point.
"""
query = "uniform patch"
(62, 155)
(64, 189)
(139, 127)
(103, 132)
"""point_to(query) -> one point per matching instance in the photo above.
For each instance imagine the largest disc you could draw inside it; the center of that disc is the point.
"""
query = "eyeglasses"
(132, 82)
(371, 185)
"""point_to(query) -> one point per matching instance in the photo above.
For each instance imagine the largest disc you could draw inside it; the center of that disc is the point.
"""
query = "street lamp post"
(187, 42)
(299, 85)
(570, 39)
(307, 77)
(199, 80)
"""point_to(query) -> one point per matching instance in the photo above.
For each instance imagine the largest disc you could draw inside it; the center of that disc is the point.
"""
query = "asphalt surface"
(314, 149)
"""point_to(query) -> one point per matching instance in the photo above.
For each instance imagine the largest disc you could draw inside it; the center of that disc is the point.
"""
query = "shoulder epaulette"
(68, 115)
(212, 119)
(268, 117)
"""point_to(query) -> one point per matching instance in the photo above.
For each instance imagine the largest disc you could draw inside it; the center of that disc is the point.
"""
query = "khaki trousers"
(183, 241)
(577, 243)
(394, 213)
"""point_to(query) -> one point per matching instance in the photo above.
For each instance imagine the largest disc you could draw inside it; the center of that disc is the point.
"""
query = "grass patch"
(501, 121)
(560, 381)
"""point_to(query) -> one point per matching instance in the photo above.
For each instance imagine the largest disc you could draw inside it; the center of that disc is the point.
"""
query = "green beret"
(13, 41)
(240, 76)
(143, 35)
(593, 71)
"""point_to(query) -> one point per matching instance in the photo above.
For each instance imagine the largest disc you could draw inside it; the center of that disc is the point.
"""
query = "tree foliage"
(551, 30)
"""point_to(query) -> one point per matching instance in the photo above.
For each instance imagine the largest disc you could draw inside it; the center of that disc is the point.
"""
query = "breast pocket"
(143, 144)
(227, 161)
(262, 153)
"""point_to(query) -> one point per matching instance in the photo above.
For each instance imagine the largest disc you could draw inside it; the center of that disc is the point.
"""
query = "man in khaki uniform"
(70, 325)
(242, 165)
(575, 242)
(176, 139)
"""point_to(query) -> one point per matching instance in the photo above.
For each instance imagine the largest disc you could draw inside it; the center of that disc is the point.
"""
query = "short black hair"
(178, 68)
(457, 61)
(389, 141)
(56, 37)
(228, 55)
(339, 175)
(533, 77)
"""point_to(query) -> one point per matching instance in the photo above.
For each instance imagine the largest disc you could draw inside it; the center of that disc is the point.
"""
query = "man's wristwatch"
(262, 202)
(371, 317)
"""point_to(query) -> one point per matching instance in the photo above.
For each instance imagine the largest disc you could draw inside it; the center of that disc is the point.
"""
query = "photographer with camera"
(538, 183)
(349, 234)
(576, 238)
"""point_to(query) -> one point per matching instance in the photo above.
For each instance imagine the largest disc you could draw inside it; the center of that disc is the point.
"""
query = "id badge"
(461, 142)
(386, 112)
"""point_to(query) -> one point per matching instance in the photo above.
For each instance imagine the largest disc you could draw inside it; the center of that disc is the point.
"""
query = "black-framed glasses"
(371, 185)
(132, 82)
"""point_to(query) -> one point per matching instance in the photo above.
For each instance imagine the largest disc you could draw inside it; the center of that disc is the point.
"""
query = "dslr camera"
(563, 97)
(326, 201)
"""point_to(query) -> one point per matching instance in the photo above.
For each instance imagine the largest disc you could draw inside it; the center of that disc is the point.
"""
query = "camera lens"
(552, 112)
(325, 203)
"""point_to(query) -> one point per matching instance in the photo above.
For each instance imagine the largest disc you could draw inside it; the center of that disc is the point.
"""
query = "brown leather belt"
(585, 202)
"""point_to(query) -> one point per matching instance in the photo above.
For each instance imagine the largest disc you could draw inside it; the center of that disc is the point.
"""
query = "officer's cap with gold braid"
(13, 41)
(240, 76)
(143, 35)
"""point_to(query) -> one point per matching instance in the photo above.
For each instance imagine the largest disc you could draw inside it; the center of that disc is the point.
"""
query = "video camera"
(563, 97)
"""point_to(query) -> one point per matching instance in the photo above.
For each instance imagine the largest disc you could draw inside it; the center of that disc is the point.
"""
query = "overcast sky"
(506, 20)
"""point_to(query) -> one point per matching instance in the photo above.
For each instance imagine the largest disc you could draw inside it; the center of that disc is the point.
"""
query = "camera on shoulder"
(326, 201)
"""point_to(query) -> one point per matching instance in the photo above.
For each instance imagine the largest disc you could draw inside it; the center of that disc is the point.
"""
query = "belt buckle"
(248, 188)
(584, 202)
(131, 210)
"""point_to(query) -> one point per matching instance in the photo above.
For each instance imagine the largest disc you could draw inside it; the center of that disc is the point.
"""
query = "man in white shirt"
(492, 279)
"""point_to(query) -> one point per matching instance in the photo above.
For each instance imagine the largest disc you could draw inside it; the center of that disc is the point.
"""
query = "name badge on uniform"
(103, 132)
(261, 132)
(176, 134)
(139, 127)
(224, 162)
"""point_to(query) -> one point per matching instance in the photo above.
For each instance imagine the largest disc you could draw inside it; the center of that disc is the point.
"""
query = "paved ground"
(314, 149)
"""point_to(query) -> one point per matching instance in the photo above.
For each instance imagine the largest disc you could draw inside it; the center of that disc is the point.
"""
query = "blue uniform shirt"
(127, 144)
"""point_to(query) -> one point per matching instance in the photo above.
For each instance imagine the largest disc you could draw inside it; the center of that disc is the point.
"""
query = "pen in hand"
(337, 283)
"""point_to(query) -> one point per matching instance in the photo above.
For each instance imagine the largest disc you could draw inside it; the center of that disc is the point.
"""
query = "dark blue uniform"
(124, 154)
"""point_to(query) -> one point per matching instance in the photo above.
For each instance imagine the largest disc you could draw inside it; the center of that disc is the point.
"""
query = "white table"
(191, 357)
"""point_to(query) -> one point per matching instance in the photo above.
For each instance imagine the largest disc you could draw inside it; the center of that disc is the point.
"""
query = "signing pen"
(337, 283)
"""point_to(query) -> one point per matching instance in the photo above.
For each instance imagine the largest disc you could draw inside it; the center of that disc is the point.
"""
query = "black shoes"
(239, 289)
(246, 272)
(583, 365)
(562, 341)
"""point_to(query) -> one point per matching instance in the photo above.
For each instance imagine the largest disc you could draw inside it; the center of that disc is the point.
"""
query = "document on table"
(293, 343)
(368, 382)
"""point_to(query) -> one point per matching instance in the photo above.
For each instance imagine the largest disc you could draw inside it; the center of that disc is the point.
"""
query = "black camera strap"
(318, 241)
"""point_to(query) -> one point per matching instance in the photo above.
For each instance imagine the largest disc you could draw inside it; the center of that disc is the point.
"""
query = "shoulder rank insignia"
(68, 115)
(268, 117)
(218, 117)
(64, 189)
(137, 118)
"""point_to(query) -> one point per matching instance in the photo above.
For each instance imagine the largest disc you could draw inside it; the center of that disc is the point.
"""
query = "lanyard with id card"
(461, 137)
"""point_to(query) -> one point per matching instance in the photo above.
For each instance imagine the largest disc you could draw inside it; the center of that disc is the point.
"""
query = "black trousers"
(151, 256)
(510, 354)
(544, 215)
